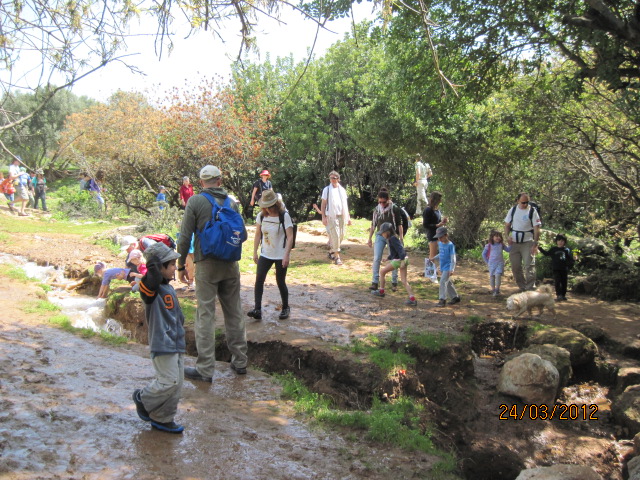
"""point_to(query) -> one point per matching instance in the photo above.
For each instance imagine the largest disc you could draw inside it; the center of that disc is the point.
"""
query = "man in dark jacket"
(214, 278)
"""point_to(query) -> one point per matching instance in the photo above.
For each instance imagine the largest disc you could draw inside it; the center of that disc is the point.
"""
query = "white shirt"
(334, 206)
(14, 170)
(521, 223)
(273, 235)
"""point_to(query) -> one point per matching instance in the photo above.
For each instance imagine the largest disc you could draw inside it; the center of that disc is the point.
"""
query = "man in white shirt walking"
(423, 173)
(335, 214)
(522, 228)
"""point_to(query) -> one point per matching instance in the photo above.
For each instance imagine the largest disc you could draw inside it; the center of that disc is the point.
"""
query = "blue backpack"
(223, 235)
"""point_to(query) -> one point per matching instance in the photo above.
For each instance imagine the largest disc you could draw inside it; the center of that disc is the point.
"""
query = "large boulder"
(633, 467)
(582, 350)
(626, 409)
(627, 376)
(529, 378)
(559, 472)
(559, 358)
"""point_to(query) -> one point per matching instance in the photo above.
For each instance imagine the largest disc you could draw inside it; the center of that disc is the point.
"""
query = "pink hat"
(265, 172)
(135, 253)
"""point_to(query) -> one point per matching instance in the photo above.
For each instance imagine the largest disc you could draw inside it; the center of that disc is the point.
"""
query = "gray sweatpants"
(447, 290)
(525, 276)
(160, 398)
(218, 279)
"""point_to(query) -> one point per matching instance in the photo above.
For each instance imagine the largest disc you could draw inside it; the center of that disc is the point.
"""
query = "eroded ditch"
(457, 385)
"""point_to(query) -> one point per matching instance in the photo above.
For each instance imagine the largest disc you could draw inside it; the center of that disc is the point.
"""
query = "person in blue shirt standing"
(447, 257)
(161, 198)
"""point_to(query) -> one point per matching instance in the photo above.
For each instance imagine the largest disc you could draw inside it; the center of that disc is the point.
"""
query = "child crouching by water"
(110, 274)
(398, 259)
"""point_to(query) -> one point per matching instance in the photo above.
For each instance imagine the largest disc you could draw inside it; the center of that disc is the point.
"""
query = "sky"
(205, 55)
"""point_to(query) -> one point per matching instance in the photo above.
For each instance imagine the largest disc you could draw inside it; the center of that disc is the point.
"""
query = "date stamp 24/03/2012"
(548, 412)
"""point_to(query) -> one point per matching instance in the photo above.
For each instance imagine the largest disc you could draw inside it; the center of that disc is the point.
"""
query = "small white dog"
(540, 298)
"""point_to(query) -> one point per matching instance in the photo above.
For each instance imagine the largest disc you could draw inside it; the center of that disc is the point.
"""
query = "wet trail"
(67, 413)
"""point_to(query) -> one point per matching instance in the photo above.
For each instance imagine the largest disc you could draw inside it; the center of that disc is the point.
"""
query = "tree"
(120, 140)
(36, 139)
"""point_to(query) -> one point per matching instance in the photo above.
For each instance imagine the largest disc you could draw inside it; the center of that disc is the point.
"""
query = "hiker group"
(209, 246)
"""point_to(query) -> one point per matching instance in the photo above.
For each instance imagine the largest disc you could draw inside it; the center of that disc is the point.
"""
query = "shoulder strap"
(281, 217)
(513, 212)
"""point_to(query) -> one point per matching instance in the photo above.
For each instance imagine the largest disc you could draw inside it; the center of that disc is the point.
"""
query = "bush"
(166, 220)
(76, 203)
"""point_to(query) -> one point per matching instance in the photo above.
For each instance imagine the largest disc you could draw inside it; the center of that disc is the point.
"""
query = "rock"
(626, 409)
(591, 331)
(581, 349)
(504, 463)
(529, 378)
(632, 349)
(633, 467)
(627, 376)
(559, 358)
(560, 472)
(636, 443)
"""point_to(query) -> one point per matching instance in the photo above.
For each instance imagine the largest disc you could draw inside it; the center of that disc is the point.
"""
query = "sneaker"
(494, 293)
(284, 314)
(338, 261)
(239, 370)
(564, 299)
(394, 287)
(171, 427)
(377, 293)
(454, 300)
(255, 313)
(441, 303)
(558, 298)
(497, 292)
(373, 286)
(192, 374)
(142, 412)
(411, 303)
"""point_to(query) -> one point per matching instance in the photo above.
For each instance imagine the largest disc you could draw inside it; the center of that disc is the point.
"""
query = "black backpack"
(406, 220)
(295, 228)
(534, 206)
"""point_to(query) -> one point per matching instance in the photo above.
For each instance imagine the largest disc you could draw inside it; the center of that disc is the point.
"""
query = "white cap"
(126, 241)
(209, 171)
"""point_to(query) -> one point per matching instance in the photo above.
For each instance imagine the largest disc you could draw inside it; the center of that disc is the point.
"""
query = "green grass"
(40, 306)
(400, 423)
(16, 273)
(64, 322)
(388, 360)
(188, 308)
(436, 341)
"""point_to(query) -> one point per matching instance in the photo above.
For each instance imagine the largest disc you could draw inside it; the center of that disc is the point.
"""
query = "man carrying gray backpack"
(214, 278)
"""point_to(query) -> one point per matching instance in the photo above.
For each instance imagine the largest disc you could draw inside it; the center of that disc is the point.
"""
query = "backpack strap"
(281, 217)
(214, 204)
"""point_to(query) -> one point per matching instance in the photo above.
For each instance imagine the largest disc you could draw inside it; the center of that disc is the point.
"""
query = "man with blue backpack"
(219, 234)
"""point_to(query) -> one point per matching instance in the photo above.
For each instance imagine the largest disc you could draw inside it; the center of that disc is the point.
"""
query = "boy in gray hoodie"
(158, 402)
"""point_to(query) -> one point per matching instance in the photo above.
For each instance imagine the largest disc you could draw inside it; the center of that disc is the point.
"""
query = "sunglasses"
(334, 178)
(524, 203)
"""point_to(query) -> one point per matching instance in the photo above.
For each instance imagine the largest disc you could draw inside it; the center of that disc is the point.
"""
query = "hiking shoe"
(558, 298)
(373, 286)
(494, 293)
(442, 303)
(338, 261)
(394, 287)
(564, 299)
(192, 374)
(411, 303)
(142, 412)
(454, 300)
(284, 314)
(170, 427)
(377, 293)
(239, 370)
(255, 313)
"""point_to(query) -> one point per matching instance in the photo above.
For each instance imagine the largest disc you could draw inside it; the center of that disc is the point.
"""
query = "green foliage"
(75, 203)
(16, 273)
(188, 308)
(379, 354)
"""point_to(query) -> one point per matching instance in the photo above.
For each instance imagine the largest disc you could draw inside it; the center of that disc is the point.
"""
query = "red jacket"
(186, 192)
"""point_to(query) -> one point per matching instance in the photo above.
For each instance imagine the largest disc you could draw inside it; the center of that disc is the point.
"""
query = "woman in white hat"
(274, 230)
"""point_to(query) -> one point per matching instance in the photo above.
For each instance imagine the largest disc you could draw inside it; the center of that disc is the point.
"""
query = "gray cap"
(210, 171)
(126, 241)
(161, 251)
(386, 227)
(441, 232)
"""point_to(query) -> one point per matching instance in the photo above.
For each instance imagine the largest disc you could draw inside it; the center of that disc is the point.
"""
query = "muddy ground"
(67, 411)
